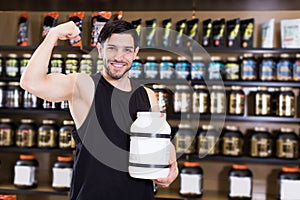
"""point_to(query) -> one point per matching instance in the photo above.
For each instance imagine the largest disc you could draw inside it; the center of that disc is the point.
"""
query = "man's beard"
(115, 76)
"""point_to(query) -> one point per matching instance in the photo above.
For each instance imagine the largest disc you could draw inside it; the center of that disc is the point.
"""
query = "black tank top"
(102, 145)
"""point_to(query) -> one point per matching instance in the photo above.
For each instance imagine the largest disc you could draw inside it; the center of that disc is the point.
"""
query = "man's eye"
(128, 50)
(110, 48)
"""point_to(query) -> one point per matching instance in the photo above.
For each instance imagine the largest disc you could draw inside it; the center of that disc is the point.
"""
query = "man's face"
(118, 53)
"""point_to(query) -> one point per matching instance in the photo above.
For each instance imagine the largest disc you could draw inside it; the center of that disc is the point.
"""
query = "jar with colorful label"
(231, 141)
(151, 68)
(136, 70)
(232, 69)
(240, 182)
(185, 140)
(7, 132)
(26, 134)
(286, 105)
(166, 68)
(207, 141)
(215, 68)
(72, 63)
(12, 65)
(99, 65)
(262, 101)
(13, 95)
(296, 68)
(217, 100)
(200, 99)
(183, 68)
(261, 143)
(287, 144)
(191, 180)
(248, 67)
(284, 68)
(267, 70)
(198, 70)
(236, 101)
(182, 99)
(86, 64)
(25, 176)
(30, 100)
(56, 64)
(24, 62)
(65, 138)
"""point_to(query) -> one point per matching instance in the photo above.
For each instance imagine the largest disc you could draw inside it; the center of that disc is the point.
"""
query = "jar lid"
(267, 55)
(287, 130)
(27, 157)
(26, 55)
(56, 55)
(218, 87)
(191, 164)
(27, 121)
(64, 158)
(68, 122)
(185, 125)
(71, 56)
(262, 88)
(12, 55)
(166, 58)
(298, 55)
(259, 128)
(285, 89)
(199, 87)
(48, 121)
(5, 120)
(197, 58)
(2, 83)
(284, 55)
(151, 58)
(290, 169)
(87, 56)
(236, 87)
(158, 86)
(182, 87)
(248, 55)
(239, 166)
(13, 83)
(232, 128)
(207, 127)
(232, 59)
(215, 58)
(181, 58)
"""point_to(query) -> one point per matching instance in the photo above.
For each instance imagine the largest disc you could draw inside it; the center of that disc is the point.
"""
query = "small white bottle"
(149, 146)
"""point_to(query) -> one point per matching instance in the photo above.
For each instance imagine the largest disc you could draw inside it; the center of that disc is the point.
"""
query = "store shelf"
(234, 118)
(30, 111)
(36, 150)
(241, 159)
(43, 190)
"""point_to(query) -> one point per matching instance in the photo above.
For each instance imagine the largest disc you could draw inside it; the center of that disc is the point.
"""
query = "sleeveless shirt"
(102, 145)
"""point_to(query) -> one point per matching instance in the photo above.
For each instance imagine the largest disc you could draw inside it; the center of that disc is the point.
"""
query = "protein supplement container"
(72, 63)
(151, 68)
(65, 135)
(236, 101)
(56, 64)
(26, 133)
(166, 68)
(185, 141)
(287, 144)
(12, 68)
(200, 99)
(136, 70)
(62, 173)
(149, 146)
(25, 176)
(231, 141)
(240, 182)
(7, 132)
(191, 180)
(267, 70)
(261, 143)
(217, 100)
(289, 183)
(47, 134)
(248, 67)
(208, 141)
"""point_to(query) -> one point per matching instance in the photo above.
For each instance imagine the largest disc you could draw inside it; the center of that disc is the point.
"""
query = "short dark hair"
(118, 26)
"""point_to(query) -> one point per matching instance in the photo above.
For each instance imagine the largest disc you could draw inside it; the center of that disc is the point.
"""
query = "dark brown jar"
(185, 139)
(47, 134)
(286, 103)
(200, 99)
(287, 144)
(162, 95)
(26, 134)
(231, 141)
(217, 100)
(65, 134)
(7, 132)
(261, 143)
(13, 95)
(208, 141)
(262, 102)
(72, 64)
(236, 101)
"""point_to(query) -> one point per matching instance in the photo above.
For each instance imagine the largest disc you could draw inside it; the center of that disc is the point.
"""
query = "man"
(103, 106)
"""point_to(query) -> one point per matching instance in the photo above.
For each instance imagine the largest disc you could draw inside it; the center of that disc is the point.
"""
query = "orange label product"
(22, 39)
(50, 21)
(117, 16)
(99, 19)
(77, 18)
(8, 197)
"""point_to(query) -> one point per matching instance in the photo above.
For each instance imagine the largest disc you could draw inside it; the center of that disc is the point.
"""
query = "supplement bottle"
(26, 134)
(286, 105)
(267, 70)
(191, 180)
(183, 68)
(147, 159)
(284, 68)
(166, 68)
(47, 134)
(62, 173)
(7, 132)
(288, 183)
(231, 141)
(25, 176)
(287, 144)
(249, 67)
(151, 68)
(236, 101)
(136, 70)
(261, 143)
(240, 182)
(200, 99)
(56, 64)
(217, 100)
(66, 139)
(185, 141)
(208, 141)
(72, 64)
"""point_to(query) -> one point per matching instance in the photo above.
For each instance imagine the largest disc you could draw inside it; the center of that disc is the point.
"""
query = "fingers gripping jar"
(149, 146)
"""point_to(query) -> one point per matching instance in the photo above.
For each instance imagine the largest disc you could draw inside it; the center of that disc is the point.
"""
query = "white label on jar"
(289, 189)
(240, 187)
(190, 183)
(62, 177)
(24, 175)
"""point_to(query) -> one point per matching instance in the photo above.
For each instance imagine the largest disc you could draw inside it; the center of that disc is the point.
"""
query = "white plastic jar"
(149, 146)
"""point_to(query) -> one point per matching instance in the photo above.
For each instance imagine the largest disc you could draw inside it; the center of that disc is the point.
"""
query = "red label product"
(22, 39)
(50, 21)
(99, 19)
(77, 18)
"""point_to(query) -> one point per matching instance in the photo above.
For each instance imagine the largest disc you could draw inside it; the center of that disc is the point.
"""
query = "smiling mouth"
(118, 65)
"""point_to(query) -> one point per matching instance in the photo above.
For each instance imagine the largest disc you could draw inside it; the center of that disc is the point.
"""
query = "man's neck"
(122, 83)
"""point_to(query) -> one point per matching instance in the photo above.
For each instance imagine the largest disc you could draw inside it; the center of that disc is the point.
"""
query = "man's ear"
(136, 51)
(100, 49)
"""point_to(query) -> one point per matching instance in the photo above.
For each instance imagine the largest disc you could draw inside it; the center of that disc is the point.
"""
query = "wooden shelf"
(36, 150)
(43, 190)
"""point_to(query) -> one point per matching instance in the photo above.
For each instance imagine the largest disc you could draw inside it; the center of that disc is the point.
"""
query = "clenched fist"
(66, 31)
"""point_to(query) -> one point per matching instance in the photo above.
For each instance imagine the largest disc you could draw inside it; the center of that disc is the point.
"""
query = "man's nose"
(119, 54)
